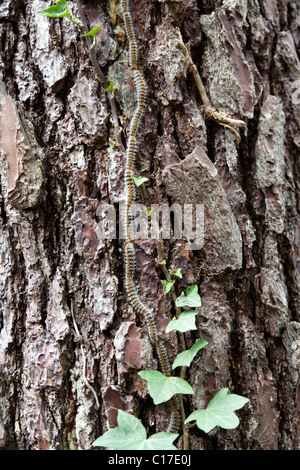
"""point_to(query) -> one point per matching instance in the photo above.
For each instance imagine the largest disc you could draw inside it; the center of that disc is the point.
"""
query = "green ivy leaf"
(185, 357)
(219, 412)
(130, 434)
(58, 10)
(167, 286)
(160, 441)
(185, 322)
(192, 298)
(162, 388)
(93, 32)
(149, 210)
(177, 273)
(139, 180)
(143, 168)
(110, 87)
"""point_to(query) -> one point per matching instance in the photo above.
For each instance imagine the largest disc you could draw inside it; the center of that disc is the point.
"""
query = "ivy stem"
(75, 20)
(142, 186)
(101, 77)
(162, 264)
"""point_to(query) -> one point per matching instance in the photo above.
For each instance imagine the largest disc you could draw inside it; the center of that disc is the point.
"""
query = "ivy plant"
(189, 299)
(58, 10)
(139, 180)
(130, 434)
(219, 412)
(161, 388)
(110, 87)
(92, 32)
(185, 322)
(167, 286)
(185, 358)
(176, 273)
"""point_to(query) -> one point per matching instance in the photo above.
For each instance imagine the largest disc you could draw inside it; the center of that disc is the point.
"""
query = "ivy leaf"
(149, 210)
(93, 32)
(219, 412)
(177, 273)
(185, 322)
(110, 87)
(192, 298)
(130, 434)
(160, 441)
(162, 388)
(139, 180)
(58, 10)
(167, 286)
(185, 357)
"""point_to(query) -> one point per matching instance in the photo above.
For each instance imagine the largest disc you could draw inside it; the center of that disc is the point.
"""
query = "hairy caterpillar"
(129, 252)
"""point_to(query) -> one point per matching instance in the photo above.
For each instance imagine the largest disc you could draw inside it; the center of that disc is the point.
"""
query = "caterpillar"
(129, 251)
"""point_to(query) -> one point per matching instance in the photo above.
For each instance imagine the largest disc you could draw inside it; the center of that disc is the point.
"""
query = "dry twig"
(209, 112)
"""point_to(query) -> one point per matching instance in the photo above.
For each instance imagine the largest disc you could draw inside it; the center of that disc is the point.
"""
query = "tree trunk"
(70, 343)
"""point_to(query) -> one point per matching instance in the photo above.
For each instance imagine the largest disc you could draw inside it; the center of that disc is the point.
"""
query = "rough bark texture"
(60, 161)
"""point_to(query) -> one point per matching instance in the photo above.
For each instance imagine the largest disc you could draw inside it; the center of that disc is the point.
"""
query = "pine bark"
(68, 338)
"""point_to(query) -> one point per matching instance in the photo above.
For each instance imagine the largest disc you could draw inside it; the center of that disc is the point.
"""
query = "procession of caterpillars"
(129, 251)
